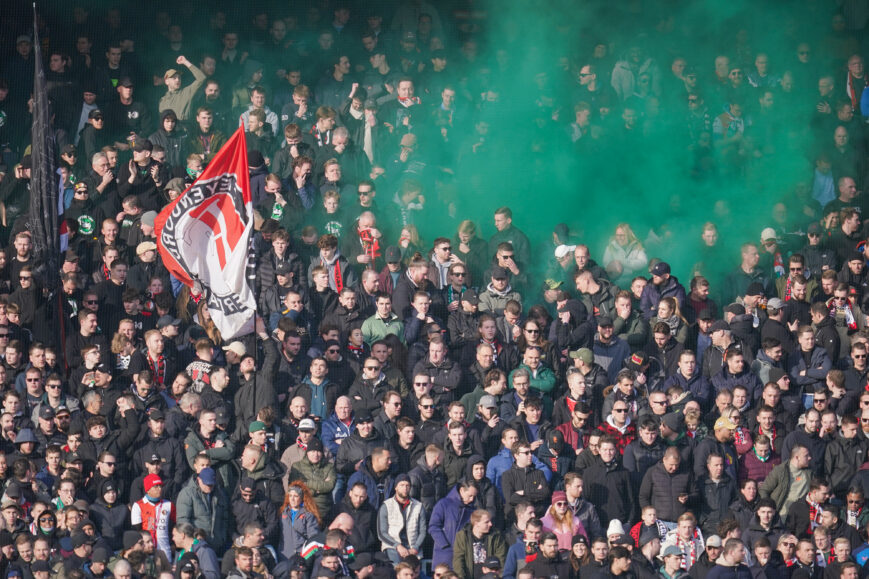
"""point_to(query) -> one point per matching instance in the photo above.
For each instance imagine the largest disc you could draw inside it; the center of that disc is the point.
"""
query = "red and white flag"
(203, 238)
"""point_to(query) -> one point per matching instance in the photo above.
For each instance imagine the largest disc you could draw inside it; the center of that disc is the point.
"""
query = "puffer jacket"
(319, 478)
(450, 514)
(427, 485)
(842, 459)
(207, 512)
(652, 296)
(355, 448)
(662, 489)
(110, 521)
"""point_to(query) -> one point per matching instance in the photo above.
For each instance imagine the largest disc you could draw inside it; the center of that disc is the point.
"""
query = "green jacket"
(463, 550)
(777, 485)
(375, 328)
(320, 478)
(209, 512)
(221, 458)
(179, 100)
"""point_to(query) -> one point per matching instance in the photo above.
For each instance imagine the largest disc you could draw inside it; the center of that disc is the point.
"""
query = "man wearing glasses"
(524, 482)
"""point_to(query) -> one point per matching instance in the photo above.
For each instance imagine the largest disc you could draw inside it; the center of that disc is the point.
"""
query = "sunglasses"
(620, 410)
(372, 367)
(426, 406)
(459, 274)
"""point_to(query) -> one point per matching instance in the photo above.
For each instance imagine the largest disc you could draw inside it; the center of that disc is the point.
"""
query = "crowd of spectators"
(465, 408)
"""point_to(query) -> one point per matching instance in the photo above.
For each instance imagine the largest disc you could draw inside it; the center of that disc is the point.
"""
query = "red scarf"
(409, 101)
(787, 288)
(814, 515)
(370, 245)
(158, 369)
(339, 281)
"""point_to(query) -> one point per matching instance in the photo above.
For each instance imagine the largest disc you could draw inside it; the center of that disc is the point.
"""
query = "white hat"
(236, 348)
(615, 528)
(563, 250)
(768, 233)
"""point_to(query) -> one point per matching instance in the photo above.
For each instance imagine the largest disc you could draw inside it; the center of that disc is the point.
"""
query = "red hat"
(151, 480)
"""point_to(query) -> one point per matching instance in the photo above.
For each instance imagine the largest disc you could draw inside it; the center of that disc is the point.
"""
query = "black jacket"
(610, 490)
(531, 481)
(355, 448)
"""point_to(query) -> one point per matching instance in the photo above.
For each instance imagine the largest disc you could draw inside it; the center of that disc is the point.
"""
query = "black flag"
(44, 182)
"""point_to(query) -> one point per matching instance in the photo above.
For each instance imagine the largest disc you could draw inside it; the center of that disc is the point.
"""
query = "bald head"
(343, 522)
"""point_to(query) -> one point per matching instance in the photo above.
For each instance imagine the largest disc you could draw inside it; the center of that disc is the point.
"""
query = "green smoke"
(661, 181)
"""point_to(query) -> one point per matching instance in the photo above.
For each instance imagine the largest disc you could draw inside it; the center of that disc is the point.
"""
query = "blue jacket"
(334, 429)
(448, 517)
(652, 295)
(515, 553)
(611, 355)
(503, 461)
(366, 477)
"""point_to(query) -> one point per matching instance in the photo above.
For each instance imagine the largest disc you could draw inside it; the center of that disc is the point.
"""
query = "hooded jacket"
(449, 515)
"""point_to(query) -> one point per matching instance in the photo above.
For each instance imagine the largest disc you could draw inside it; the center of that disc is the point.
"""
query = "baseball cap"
(256, 426)
(718, 326)
(661, 268)
(156, 414)
(584, 354)
(775, 304)
(604, 321)
(672, 551)
(166, 321)
(46, 412)
(125, 81)
(768, 233)
(564, 250)
(208, 476)
(713, 541)
(724, 422)
(95, 114)
(392, 255)
(470, 296)
(499, 272)
(488, 401)
(307, 425)
(170, 73)
(236, 348)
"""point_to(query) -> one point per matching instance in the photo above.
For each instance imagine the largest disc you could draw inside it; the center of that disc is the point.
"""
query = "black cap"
(361, 560)
(247, 483)
(26, 162)
(470, 296)
(103, 368)
(143, 145)
(96, 113)
(222, 416)
(125, 81)
(736, 309)
(315, 444)
(40, 566)
(131, 538)
(604, 321)
(68, 149)
(283, 268)
(46, 412)
(499, 272)
(814, 228)
(156, 414)
(392, 255)
(706, 314)
(492, 563)
(154, 459)
(718, 326)
(754, 289)
(100, 555)
(363, 415)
